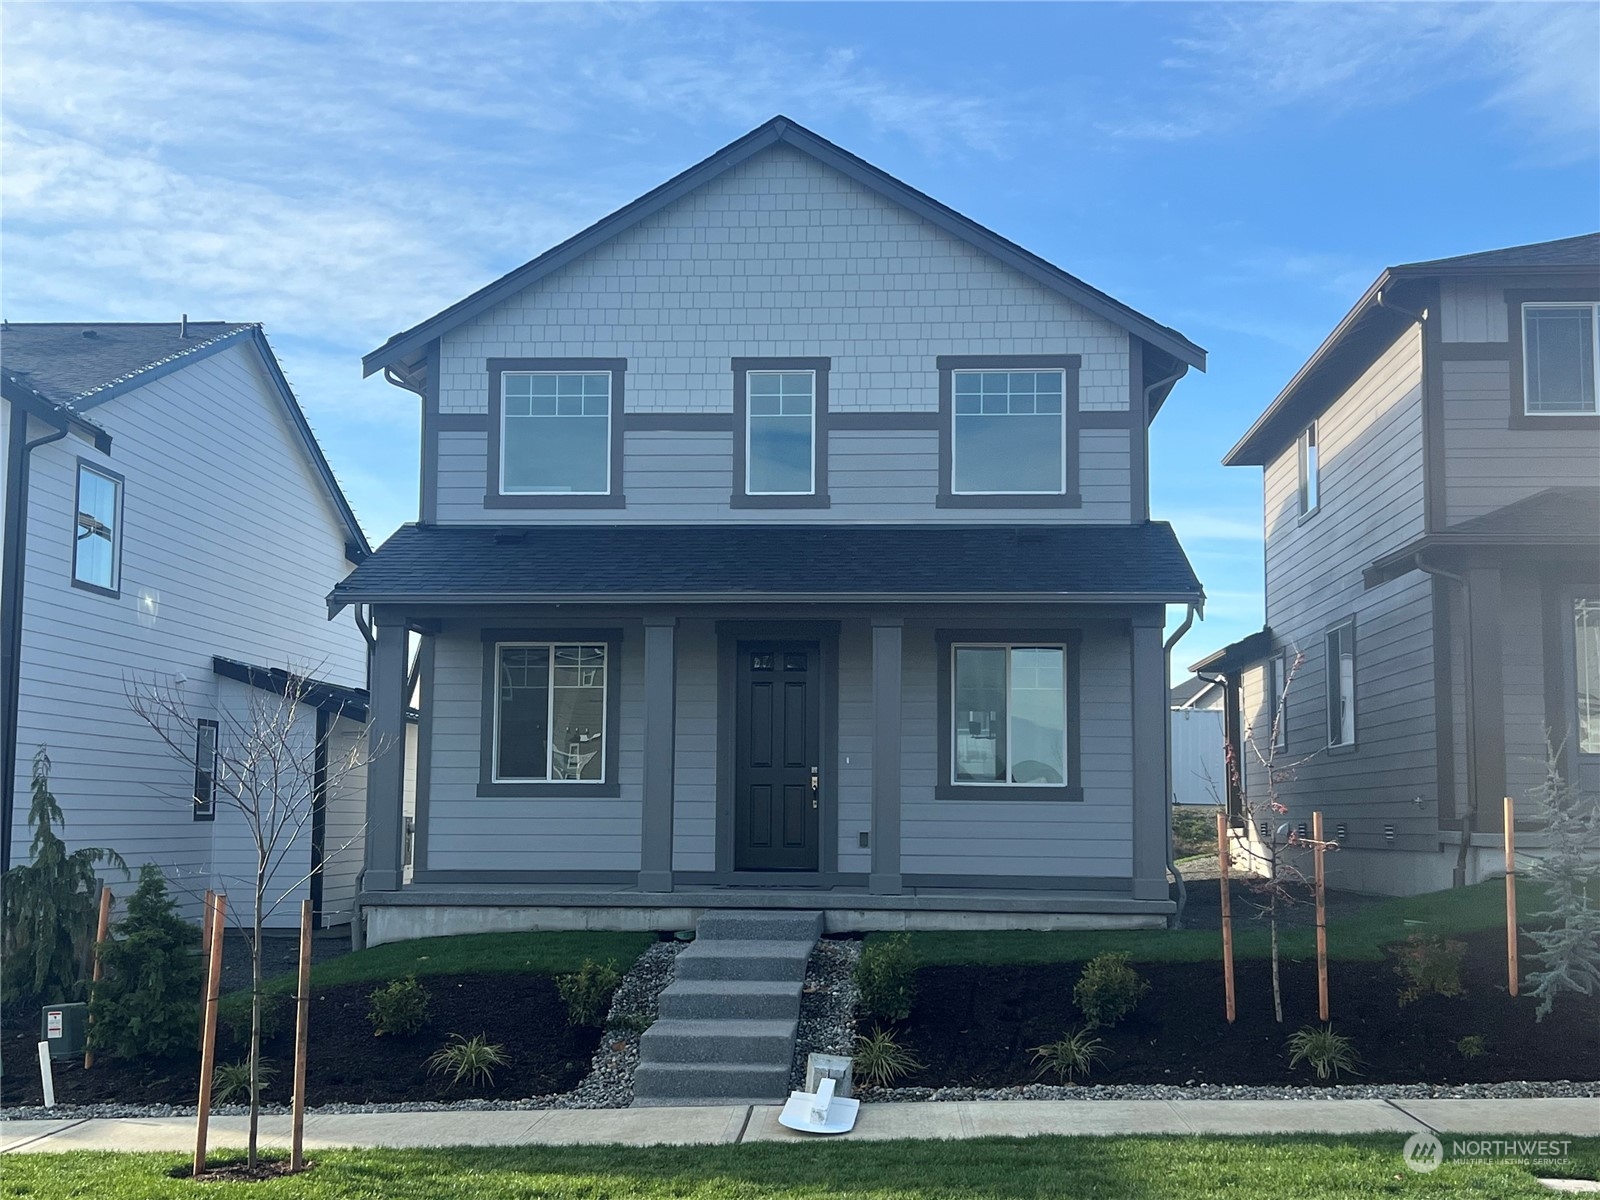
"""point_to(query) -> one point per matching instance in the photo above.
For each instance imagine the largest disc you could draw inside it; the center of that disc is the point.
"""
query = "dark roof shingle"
(465, 564)
(63, 362)
(1580, 251)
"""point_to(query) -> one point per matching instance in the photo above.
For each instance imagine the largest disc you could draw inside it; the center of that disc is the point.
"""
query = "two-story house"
(1432, 517)
(784, 542)
(169, 518)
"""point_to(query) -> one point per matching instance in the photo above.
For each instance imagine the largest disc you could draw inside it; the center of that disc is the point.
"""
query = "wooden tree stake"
(1322, 919)
(302, 1027)
(205, 946)
(1511, 896)
(208, 1036)
(1227, 913)
(97, 971)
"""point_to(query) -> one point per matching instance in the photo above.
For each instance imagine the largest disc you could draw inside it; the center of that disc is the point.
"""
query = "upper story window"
(1341, 642)
(97, 535)
(1559, 351)
(780, 432)
(1010, 431)
(555, 437)
(1310, 479)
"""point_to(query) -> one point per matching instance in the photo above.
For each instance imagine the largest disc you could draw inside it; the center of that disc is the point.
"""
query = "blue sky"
(340, 172)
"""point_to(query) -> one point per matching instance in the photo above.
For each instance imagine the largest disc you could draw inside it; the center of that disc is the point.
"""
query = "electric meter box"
(65, 1028)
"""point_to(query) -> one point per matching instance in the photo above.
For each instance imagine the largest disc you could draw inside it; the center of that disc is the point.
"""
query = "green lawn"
(1135, 1168)
(1361, 935)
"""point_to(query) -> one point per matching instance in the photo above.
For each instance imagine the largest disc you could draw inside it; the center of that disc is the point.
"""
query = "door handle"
(814, 785)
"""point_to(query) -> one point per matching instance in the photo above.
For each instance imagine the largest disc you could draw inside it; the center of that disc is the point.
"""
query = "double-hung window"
(1310, 480)
(205, 770)
(1008, 716)
(550, 712)
(97, 540)
(1560, 345)
(1341, 646)
(781, 433)
(1586, 634)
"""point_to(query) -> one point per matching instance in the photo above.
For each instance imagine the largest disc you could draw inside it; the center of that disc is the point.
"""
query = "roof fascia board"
(158, 370)
(57, 416)
(874, 178)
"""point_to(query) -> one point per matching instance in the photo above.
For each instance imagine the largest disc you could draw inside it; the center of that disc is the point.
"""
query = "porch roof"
(473, 564)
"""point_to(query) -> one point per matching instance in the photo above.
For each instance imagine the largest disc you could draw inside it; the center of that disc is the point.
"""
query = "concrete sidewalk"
(759, 1123)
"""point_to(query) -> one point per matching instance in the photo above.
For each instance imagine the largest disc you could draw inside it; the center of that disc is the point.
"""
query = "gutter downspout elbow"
(1172, 865)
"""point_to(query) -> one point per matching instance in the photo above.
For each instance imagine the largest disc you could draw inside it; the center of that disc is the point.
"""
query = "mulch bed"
(976, 1026)
(346, 1063)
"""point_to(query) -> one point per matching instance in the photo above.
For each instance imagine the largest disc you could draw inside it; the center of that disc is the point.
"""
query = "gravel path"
(827, 1006)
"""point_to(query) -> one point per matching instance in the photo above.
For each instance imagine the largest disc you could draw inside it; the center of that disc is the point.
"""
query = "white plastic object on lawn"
(820, 1111)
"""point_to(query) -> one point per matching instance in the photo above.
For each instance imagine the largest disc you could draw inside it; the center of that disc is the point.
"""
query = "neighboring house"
(1433, 563)
(1199, 768)
(168, 514)
(784, 542)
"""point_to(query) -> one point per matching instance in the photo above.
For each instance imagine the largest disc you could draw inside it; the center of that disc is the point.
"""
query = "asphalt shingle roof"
(447, 564)
(1580, 251)
(61, 362)
(1555, 512)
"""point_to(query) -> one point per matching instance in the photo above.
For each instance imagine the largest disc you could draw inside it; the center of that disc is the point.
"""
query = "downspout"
(1233, 784)
(1469, 819)
(1166, 659)
(11, 596)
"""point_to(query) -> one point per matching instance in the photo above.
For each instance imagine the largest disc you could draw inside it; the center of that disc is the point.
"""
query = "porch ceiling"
(474, 564)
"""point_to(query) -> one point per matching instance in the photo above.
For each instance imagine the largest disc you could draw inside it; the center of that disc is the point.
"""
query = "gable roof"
(1373, 325)
(624, 564)
(76, 366)
(406, 346)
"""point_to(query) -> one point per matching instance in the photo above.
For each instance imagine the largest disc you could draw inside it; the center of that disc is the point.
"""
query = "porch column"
(386, 732)
(1150, 716)
(660, 707)
(886, 668)
(1486, 713)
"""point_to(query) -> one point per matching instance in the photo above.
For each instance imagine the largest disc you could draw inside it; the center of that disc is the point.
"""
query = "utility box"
(837, 1067)
(65, 1028)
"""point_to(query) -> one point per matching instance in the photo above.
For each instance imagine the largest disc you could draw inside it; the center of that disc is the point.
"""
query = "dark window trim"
(114, 592)
(818, 497)
(1303, 472)
(948, 364)
(1071, 638)
(1330, 669)
(567, 789)
(1567, 596)
(493, 496)
(206, 809)
(1277, 698)
(1518, 418)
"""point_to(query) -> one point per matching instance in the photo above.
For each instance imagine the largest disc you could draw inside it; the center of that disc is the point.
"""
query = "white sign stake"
(46, 1076)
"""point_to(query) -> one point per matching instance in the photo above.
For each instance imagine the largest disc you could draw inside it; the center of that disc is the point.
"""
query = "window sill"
(1019, 500)
(1071, 794)
(1306, 516)
(566, 789)
(553, 500)
(742, 500)
(1554, 421)
(108, 593)
(1351, 748)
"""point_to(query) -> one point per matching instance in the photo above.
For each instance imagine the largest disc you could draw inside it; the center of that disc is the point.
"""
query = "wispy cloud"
(1540, 62)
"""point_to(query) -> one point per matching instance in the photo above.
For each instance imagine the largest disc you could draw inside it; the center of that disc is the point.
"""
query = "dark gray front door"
(777, 757)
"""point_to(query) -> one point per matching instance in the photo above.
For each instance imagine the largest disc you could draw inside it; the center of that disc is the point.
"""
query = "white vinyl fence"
(1198, 765)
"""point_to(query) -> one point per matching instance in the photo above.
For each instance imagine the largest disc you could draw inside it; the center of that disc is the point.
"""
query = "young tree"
(1569, 939)
(145, 1004)
(50, 904)
(273, 762)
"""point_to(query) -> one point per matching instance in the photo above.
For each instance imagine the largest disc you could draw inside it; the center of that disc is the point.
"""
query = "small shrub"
(880, 1060)
(470, 1060)
(399, 1008)
(232, 1080)
(587, 992)
(1327, 1052)
(1108, 990)
(886, 977)
(145, 1006)
(1194, 830)
(1075, 1054)
(1429, 966)
(1472, 1046)
(233, 1016)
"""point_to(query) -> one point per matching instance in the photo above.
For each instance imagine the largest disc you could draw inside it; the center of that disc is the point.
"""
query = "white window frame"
(1344, 630)
(114, 587)
(549, 719)
(955, 442)
(1577, 600)
(1068, 766)
(1594, 357)
(1308, 455)
(611, 391)
(811, 489)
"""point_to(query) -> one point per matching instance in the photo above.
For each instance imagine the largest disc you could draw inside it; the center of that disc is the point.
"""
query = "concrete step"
(753, 999)
(721, 1083)
(741, 959)
(719, 1042)
(776, 926)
